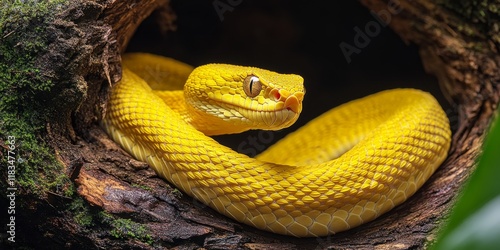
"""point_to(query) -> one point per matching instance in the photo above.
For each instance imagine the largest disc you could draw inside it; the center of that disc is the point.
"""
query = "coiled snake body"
(344, 168)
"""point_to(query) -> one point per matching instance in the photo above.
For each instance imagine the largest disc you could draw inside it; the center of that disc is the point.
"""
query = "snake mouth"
(285, 112)
(282, 101)
(270, 120)
(272, 110)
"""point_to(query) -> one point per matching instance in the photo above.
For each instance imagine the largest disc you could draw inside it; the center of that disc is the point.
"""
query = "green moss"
(23, 36)
(142, 187)
(476, 11)
(81, 212)
(126, 228)
(177, 193)
(484, 14)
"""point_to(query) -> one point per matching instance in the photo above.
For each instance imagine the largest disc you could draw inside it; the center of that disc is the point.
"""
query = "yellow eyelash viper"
(344, 168)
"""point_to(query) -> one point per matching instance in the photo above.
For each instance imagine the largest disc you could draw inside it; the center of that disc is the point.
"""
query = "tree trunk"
(119, 202)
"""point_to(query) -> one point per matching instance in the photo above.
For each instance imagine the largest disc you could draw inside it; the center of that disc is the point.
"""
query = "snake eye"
(252, 86)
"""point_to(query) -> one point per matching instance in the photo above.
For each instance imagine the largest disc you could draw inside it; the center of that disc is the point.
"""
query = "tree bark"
(121, 203)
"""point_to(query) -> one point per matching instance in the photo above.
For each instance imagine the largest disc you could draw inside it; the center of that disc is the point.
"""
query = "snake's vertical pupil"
(252, 86)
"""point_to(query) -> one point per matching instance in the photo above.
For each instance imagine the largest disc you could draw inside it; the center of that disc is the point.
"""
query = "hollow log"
(109, 200)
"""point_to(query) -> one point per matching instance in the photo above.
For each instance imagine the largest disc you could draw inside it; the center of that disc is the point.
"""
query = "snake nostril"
(277, 96)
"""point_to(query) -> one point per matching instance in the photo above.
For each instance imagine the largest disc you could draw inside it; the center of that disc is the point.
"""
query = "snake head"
(233, 99)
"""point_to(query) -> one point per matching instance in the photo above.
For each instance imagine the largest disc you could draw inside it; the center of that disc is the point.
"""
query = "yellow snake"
(344, 168)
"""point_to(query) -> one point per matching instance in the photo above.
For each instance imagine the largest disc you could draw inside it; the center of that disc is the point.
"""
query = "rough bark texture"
(128, 206)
